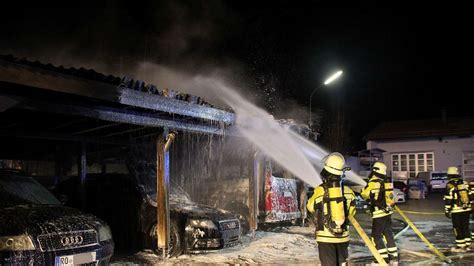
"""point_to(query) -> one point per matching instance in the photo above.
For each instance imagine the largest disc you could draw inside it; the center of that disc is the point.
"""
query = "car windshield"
(176, 195)
(18, 189)
(399, 184)
(439, 176)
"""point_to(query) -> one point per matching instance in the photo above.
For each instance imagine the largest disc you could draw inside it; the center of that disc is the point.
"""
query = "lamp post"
(329, 80)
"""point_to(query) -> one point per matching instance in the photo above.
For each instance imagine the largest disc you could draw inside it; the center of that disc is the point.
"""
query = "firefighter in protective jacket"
(379, 193)
(457, 203)
(332, 203)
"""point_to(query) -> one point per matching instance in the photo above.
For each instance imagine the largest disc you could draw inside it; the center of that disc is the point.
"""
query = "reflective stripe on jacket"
(371, 191)
(451, 197)
(316, 204)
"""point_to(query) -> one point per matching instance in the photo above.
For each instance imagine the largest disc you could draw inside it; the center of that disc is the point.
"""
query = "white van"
(438, 181)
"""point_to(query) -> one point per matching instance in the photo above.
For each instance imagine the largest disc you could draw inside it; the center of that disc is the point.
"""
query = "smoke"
(160, 42)
(291, 109)
(175, 42)
(192, 29)
(114, 37)
(169, 77)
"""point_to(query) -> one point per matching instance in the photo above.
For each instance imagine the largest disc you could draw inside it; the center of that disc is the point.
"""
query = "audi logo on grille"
(71, 240)
(231, 225)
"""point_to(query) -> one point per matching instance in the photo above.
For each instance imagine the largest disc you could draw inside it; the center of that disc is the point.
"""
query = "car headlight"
(203, 223)
(104, 233)
(16, 243)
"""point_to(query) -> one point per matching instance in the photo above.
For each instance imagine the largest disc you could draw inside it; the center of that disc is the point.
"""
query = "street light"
(329, 80)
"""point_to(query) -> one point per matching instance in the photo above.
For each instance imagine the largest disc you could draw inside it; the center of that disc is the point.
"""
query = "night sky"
(404, 62)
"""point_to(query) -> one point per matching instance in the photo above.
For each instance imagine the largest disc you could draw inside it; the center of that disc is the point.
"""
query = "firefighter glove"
(448, 214)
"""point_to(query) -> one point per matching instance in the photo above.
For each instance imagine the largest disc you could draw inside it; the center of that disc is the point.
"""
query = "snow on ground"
(284, 245)
(296, 244)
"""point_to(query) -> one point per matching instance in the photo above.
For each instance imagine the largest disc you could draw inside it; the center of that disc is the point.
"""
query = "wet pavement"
(428, 216)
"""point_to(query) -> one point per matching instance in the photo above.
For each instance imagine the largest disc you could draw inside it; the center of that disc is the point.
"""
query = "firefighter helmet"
(453, 170)
(334, 163)
(380, 168)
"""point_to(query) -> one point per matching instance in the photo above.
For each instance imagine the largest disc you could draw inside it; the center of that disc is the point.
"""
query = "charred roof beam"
(96, 128)
(51, 79)
(118, 115)
(169, 105)
(47, 135)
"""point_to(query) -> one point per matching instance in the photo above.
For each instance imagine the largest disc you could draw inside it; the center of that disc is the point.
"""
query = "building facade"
(411, 147)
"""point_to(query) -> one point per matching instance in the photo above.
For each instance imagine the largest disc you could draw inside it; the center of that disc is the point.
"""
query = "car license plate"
(64, 260)
(76, 259)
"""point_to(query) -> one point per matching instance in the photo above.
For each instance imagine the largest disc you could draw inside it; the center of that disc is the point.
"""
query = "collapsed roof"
(113, 108)
(35, 86)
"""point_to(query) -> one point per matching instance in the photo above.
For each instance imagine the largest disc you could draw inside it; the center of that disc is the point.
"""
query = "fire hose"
(367, 241)
(404, 228)
(422, 237)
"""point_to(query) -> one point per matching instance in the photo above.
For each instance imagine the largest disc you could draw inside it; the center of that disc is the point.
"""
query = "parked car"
(399, 195)
(402, 186)
(438, 181)
(35, 229)
(193, 227)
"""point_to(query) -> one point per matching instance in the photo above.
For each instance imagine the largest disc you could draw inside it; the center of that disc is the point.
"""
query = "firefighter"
(331, 204)
(379, 193)
(457, 203)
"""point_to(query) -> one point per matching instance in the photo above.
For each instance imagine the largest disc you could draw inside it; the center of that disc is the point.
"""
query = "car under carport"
(78, 117)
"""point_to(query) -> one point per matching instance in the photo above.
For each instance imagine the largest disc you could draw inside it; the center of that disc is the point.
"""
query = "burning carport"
(47, 109)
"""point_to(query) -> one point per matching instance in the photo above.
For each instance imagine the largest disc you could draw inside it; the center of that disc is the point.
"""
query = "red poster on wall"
(281, 200)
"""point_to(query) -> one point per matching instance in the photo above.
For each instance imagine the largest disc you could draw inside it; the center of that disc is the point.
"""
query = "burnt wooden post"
(82, 166)
(253, 192)
(58, 165)
(162, 189)
(82, 172)
(303, 199)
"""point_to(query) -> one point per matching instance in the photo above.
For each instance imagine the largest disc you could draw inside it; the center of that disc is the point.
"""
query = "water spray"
(261, 129)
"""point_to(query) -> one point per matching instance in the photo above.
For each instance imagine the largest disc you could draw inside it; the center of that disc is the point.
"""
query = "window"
(413, 163)
(395, 163)
(468, 165)
(439, 176)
